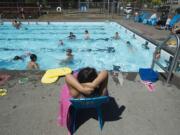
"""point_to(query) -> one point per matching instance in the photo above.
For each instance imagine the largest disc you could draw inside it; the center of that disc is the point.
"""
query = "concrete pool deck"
(31, 108)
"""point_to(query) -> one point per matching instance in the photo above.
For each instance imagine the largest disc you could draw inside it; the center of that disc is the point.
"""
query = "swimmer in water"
(105, 39)
(69, 57)
(16, 58)
(61, 43)
(22, 57)
(16, 24)
(130, 46)
(134, 36)
(128, 43)
(86, 35)
(145, 45)
(116, 36)
(72, 36)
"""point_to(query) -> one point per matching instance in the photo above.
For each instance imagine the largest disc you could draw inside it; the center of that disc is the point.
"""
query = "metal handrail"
(157, 48)
(174, 62)
(175, 57)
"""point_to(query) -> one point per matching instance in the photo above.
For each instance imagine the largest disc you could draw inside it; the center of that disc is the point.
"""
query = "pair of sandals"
(149, 85)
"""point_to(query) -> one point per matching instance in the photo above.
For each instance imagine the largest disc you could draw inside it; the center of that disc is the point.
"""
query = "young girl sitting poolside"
(88, 83)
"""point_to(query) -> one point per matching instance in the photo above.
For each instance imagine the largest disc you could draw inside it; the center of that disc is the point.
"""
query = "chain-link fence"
(36, 9)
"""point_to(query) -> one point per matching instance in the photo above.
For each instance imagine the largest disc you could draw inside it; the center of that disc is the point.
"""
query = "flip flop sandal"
(3, 92)
(150, 87)
(23, 80)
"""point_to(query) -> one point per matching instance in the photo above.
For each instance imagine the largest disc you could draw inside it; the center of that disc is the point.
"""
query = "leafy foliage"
(156, 2)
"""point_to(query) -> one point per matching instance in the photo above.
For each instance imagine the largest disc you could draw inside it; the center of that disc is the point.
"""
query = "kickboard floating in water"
(52, 75)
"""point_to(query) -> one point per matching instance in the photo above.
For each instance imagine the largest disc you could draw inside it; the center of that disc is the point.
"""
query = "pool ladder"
(174, 60)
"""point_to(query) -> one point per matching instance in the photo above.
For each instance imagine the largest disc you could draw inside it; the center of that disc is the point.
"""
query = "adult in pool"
(71, 36)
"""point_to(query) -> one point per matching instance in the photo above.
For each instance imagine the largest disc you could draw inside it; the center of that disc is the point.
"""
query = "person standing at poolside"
(32, 64)
(86, 35)
(167, 26)
(116, 36)
(22, 13)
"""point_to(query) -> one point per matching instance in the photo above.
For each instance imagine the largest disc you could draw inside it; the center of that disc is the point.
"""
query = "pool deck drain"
(31, 108)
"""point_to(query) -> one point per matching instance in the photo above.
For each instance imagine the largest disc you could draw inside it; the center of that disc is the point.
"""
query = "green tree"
(30, 1)
(156, 2)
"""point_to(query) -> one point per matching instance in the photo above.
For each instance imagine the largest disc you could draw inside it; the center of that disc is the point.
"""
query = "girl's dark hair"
(33, 57)
(87, 75)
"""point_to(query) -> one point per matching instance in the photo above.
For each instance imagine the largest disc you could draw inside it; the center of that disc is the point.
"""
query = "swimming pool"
(101, 51)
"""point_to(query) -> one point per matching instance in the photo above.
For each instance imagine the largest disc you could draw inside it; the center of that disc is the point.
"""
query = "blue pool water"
(42, 39)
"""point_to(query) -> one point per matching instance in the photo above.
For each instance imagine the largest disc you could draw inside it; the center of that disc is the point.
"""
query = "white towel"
(120, 78)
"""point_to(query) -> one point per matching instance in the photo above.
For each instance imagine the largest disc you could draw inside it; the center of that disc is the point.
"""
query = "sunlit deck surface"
(31, 108)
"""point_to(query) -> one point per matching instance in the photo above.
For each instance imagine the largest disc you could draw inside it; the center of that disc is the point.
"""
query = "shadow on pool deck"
(110, 112)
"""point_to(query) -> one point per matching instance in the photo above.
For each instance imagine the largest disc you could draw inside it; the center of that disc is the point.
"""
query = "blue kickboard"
(148, 74)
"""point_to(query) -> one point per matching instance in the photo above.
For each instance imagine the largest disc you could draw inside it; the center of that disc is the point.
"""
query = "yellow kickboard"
(45, 79)
(172, 42)
(3, 92)
(52, 75)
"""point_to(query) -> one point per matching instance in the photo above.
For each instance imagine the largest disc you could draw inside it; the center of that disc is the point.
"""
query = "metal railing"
(173, 61)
